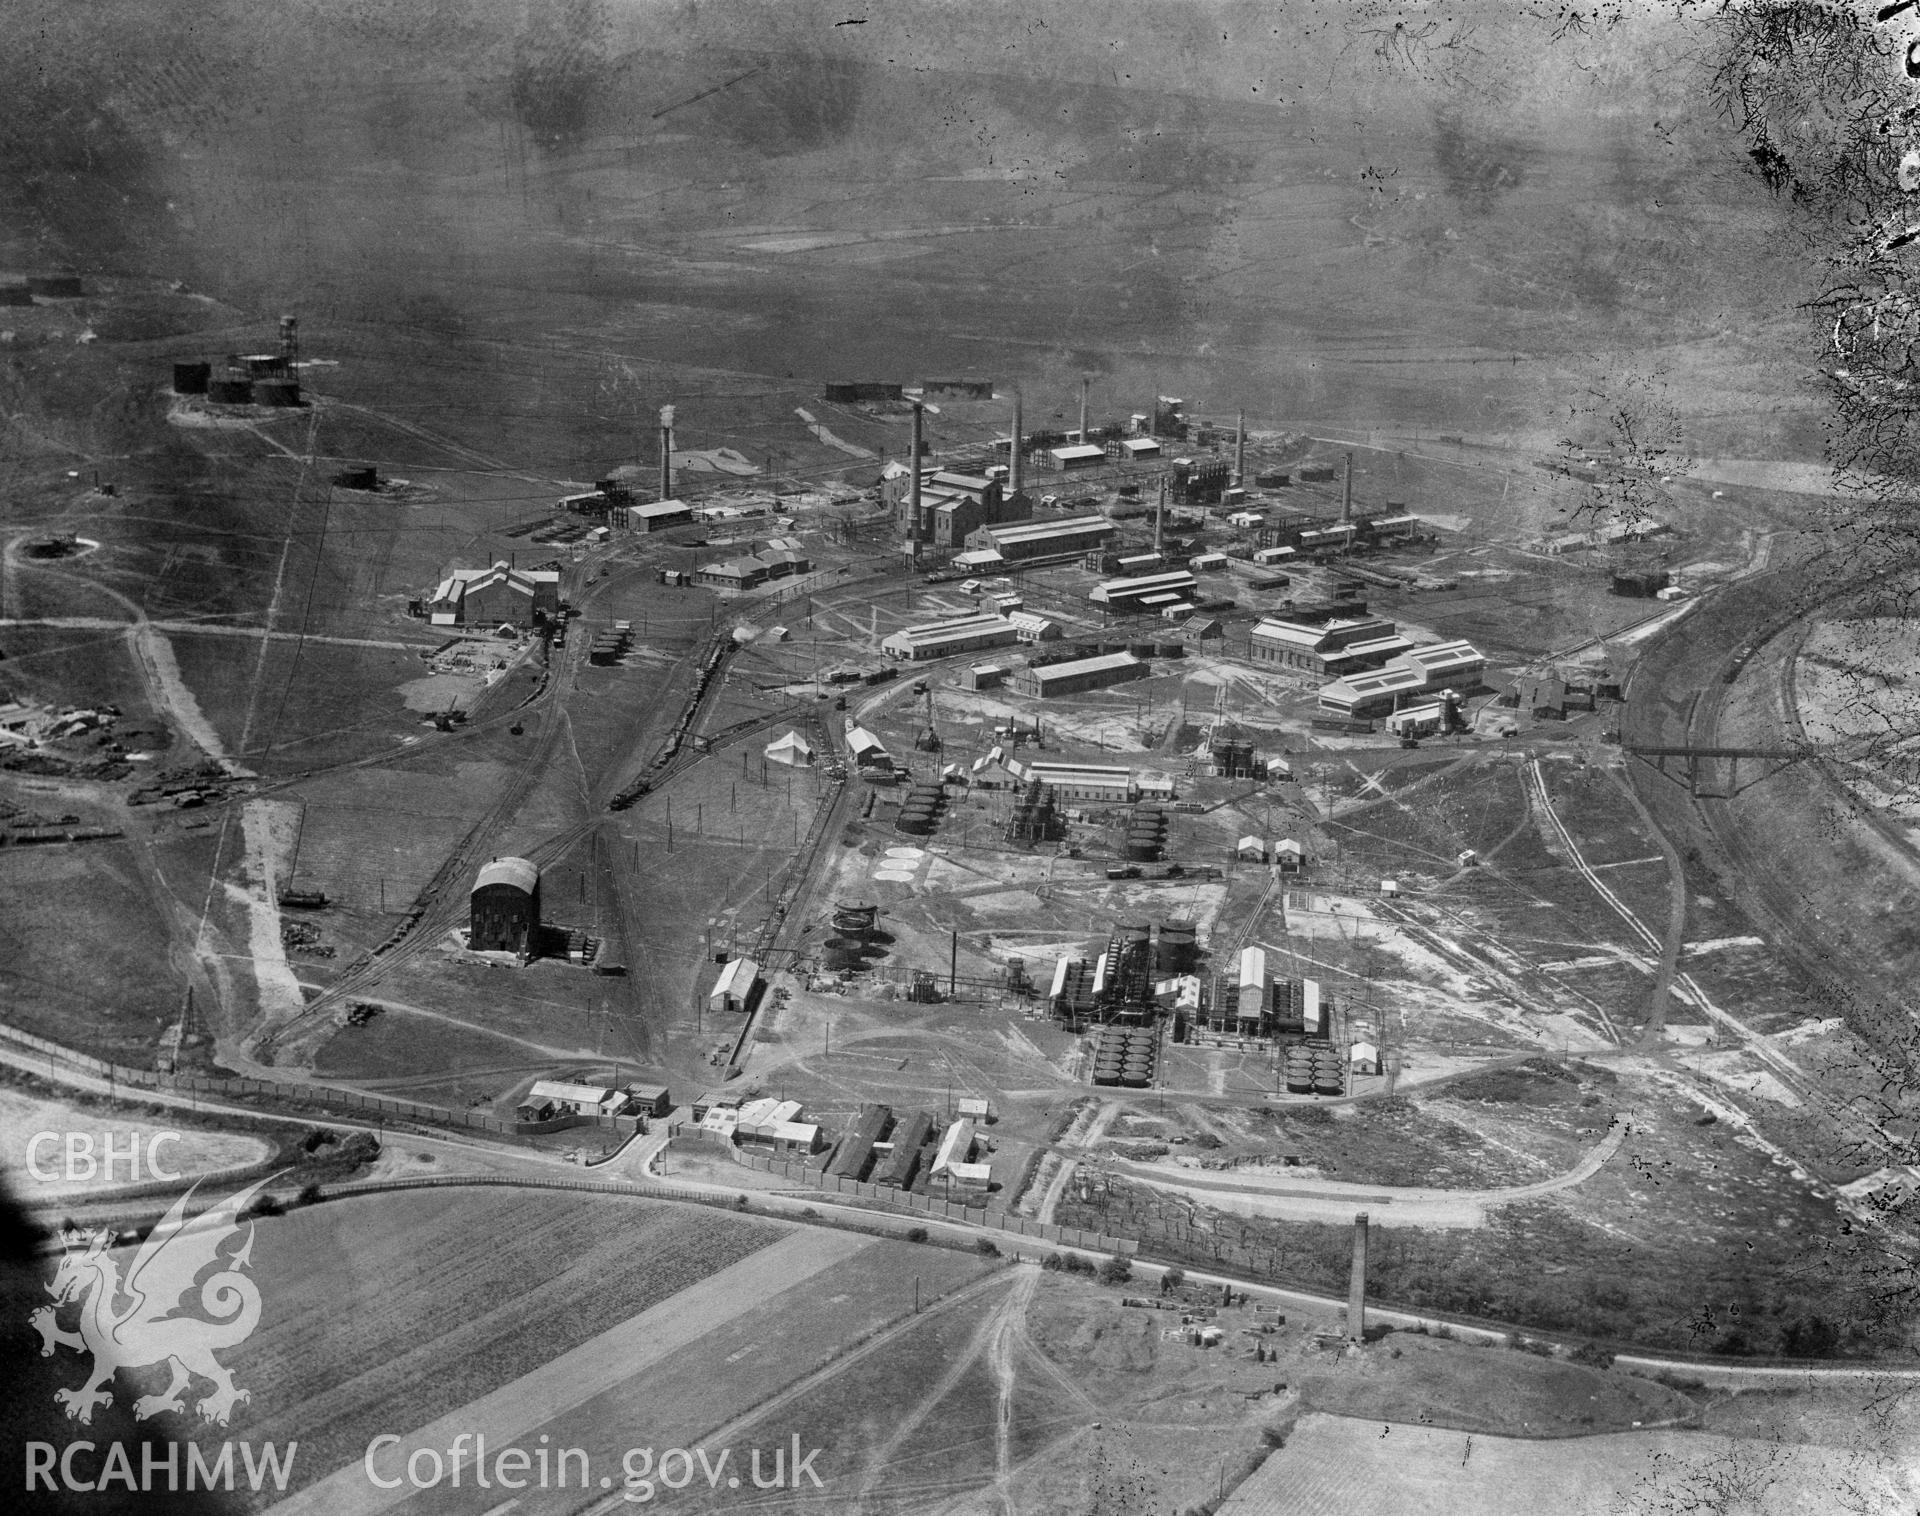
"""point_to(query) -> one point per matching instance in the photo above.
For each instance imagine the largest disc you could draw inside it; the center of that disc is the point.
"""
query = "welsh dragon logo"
(135, 1322)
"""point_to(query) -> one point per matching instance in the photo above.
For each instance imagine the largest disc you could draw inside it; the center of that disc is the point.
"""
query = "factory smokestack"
(1346, 492)
(1016, 455)
(1357, 1283)
(290, 341)
(1160, 515)
(1240, 452)
(913, 489)
(1083, 412)
(666, 452)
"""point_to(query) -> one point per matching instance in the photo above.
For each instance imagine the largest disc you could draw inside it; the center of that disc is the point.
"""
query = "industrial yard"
(1093, 776)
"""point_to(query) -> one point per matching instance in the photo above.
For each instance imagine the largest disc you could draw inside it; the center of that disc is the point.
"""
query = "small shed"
(975, 1110)
(1363, 1058)
(733, 990)
(649, 1099)
(1250, 850)
(580, 1099)
(1290, 855)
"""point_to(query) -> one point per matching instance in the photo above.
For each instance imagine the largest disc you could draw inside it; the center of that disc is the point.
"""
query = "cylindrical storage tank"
(281, 393)
(230, 391)
(191, 378)
(1143, 852)
(1133, 1081)
(918, 826)
(15, 294)
(1140, 649)
(855, 917)
(1178, 946)
(55, 286)
(1170, 650)
(265, 363)
(839, 958)
(1137, 931)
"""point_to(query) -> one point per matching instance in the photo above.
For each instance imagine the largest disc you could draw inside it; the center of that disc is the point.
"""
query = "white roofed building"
(943, 639)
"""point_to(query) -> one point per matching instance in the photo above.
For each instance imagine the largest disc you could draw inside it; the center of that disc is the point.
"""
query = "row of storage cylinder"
(920, 812)
(244, 381)
(1314, 1068)
(1124, 1056)
(1146, 835)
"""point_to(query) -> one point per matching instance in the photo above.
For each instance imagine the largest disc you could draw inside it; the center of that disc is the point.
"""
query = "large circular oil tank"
(282, 393)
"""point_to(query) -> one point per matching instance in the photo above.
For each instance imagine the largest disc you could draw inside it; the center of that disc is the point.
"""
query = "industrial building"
(659, 515)
(953, 506)
(983, 676)
(496, 596)
(853, 1154)
(1424, 670)
(1146, 592)
(504, 908)
(1081, 781)
(737, 575)
(561, 1097)
(958, 389)
(901, 1164)
(854, 391)
(1076, 455)
(734, 989)
(1361, 697)
(1030, 627)
(865, 750)
(942, 639)
(774, 1125)
(1020, 541)
(1328, 649)
(1081, 674)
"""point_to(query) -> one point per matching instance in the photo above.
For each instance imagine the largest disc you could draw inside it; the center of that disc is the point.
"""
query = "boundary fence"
(324, 1096)
(934, 1206)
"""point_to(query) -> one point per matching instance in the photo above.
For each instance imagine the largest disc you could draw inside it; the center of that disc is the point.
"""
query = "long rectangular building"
(1414, 672)
(1131, 593)
(1331, 648)
(1020, 540)
(1081, 674)
(941, 639)
(1082, 781)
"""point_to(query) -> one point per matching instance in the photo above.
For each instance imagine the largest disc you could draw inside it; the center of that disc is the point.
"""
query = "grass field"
(1332, 1464)
(23, 1116)
(715, 1362)
(383, 1312)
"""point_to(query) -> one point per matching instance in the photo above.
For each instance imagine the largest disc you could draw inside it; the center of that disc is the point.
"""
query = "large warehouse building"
(1329, 649)
(953, 506)
(1023, 540)
(1081, 674)
(941, 639)
(495, 596)
(504, 908)
(1418, 672)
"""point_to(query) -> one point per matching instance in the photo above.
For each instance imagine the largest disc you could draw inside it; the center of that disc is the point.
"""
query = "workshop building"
(1070, 536)
(1082, 674)
(942, 639)
(504, 908)
(496, 596)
